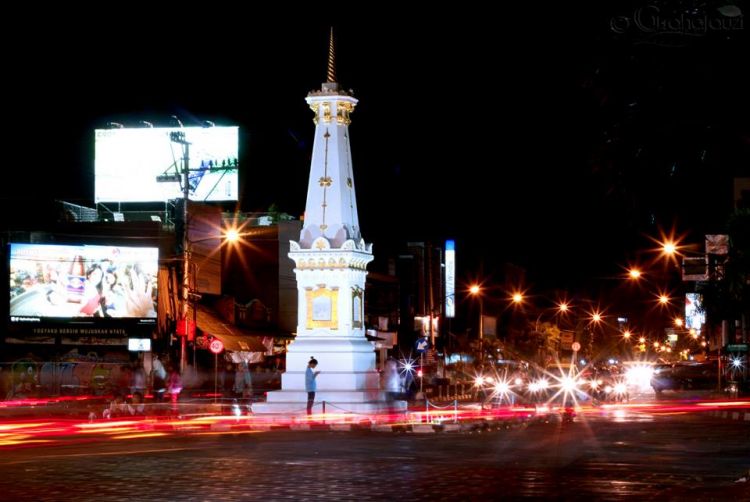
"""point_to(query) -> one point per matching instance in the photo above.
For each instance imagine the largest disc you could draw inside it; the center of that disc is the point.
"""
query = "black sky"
(540, 137)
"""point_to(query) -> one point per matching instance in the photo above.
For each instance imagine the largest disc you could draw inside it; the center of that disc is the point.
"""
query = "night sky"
(553, 139)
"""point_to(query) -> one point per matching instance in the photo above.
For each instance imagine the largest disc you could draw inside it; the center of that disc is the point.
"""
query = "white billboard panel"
(695, 316)
(717, 244)
(450, 278)
(128, 162)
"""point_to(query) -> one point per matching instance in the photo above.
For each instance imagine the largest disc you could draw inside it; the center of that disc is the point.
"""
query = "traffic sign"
(216, 346)
(576, 346)
(422, 344)
(738, 347)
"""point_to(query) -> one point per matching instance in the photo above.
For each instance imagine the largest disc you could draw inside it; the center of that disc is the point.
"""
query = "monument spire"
(331, 60)
(331, 260)
(331, 209)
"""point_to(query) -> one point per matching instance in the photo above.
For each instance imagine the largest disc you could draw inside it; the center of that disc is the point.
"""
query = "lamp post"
(559, 309)
(189, 294)
(477, 291)
(702, 267)
(179, 138)
(184, 178)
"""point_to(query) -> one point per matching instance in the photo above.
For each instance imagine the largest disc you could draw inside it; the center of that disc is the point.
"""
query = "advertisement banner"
(80, 281)
(145, 164)
(450, 278)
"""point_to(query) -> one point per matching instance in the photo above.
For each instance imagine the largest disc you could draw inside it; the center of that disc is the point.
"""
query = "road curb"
(731, 415)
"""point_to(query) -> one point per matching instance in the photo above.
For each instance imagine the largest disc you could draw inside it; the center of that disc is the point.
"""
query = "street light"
(476, 291)
(230, 235)
(669, 248)
(560, 308)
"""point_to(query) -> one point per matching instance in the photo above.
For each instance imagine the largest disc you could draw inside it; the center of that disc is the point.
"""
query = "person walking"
(310, 383)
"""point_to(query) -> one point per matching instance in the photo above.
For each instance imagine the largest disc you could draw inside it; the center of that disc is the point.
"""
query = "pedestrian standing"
(310, 384)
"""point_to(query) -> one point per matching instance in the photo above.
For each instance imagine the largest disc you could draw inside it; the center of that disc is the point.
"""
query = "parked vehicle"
(685, 375)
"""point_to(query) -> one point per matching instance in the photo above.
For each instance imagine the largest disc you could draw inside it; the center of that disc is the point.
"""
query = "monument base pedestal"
(295, 407)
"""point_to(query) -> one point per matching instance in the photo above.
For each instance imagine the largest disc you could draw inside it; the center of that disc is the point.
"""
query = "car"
(685, 375)
(604, 386)
(568, 383)
(692, 375)
(662, 378)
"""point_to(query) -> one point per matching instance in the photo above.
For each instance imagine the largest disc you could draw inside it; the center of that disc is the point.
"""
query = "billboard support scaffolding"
(179, 138)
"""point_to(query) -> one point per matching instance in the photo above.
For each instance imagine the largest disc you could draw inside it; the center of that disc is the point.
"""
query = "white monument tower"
(331, 264)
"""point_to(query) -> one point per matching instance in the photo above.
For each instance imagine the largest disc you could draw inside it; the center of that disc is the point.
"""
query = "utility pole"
(179, 137)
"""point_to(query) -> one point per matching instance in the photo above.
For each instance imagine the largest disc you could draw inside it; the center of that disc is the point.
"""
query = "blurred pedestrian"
(4, 382)
(137, 406)
(243, 381)
(158, 379)
(138, 379)
(392, 380)
(174, 387)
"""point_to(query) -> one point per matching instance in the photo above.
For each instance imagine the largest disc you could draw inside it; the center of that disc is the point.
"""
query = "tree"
(729, 299)
(276, 215)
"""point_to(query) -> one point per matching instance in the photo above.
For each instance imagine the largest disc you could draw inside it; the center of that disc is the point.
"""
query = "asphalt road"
(617, 457)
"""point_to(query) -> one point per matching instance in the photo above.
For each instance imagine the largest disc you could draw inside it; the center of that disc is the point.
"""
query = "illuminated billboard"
(59, 282)
(145, 164)
(450, 278)
(694, 314)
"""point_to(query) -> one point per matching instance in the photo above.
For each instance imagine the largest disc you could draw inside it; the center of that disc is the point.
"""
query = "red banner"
(180, 329)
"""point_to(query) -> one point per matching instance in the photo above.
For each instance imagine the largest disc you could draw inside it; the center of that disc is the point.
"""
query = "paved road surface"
(633, 457)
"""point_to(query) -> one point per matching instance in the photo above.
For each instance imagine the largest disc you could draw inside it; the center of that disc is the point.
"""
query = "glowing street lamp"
(230, 235)
(476, 291)
(678, 322)
(626, 334)
(561, 308)
(634, 273)
(517, 298)
(669, 248)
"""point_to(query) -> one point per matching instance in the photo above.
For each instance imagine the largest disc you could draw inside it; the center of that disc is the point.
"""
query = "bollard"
(324, 407)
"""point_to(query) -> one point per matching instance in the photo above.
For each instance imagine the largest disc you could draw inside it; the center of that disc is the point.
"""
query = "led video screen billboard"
(146, 164)
(62, 282)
